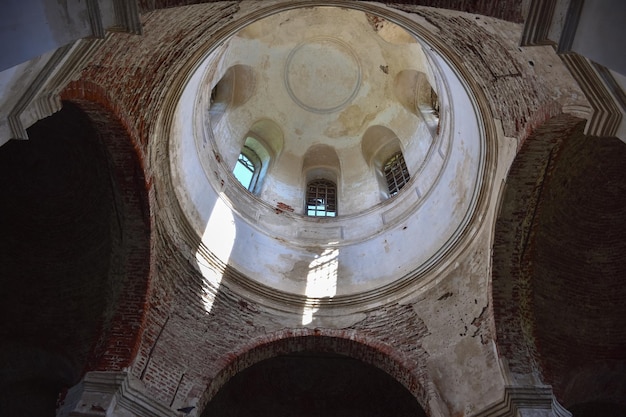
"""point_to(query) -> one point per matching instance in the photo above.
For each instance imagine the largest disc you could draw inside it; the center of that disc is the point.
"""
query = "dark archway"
(579, 272)
(313, 384)
(407, 374)
(64, 257)
(559, 270)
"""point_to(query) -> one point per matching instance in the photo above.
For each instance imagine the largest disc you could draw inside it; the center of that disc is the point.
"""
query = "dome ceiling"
(324, 75)
(325, 93)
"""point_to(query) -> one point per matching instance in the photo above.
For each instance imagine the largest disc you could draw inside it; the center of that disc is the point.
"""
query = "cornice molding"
(116, 393)
(606, 117)
(41, 98)
(517, 398)
(538, 23)
(569, 26)
(127, 17)
(95, 19)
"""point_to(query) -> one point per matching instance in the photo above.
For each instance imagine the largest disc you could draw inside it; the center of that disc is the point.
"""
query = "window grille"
(321, 198)
(396, 173)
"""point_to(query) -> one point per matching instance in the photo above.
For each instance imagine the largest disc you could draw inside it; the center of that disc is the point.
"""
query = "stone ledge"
(113, 394)
(516, 399)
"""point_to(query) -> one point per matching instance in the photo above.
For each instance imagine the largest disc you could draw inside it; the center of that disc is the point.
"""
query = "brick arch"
(558, 264)
(510, 10)
(511, 288)
(579, 272)
(124, 323)
(346, 343)
(72, 277)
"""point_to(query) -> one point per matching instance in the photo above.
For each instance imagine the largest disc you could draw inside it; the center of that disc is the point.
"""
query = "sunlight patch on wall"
(217, 242)
(321, 282)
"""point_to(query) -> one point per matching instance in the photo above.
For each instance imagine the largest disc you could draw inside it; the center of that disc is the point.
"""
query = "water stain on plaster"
(350, 122)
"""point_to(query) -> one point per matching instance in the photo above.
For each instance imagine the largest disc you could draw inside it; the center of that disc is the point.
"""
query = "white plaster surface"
(432, 209)
(13, 82)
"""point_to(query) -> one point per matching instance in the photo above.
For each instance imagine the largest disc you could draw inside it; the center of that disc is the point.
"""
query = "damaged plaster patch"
(350, 122)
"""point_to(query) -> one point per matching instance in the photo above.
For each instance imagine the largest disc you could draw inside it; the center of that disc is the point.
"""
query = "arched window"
(321, 198)
(396, 173)
(415, 91)
(382, 149)
(248, 168)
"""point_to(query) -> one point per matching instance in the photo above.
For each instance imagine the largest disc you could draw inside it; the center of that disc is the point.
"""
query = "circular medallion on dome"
(322, 75)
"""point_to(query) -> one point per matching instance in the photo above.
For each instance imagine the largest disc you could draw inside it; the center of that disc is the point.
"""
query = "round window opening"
(317, 151)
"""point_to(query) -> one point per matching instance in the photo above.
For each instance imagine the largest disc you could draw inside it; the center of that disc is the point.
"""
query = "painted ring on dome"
(322, 75)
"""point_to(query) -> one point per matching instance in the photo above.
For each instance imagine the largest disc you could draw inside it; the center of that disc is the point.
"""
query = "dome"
(309, 142)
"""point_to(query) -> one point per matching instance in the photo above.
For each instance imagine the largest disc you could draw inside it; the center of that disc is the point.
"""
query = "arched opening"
(313, 384)
(301, 363)
(598, 408)
(321, 169)
(382, 150)
(558, 270)
(418, 96)
(262, 146)
(68, 260)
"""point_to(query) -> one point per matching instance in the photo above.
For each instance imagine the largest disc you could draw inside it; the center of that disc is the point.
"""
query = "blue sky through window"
(244, 170)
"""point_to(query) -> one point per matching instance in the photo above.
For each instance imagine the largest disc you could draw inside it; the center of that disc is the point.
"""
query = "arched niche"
(270, 134)
(379, 144)
(321, 172)
(233, 89)
(413, 89)
(265, 141)
(321, 161)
